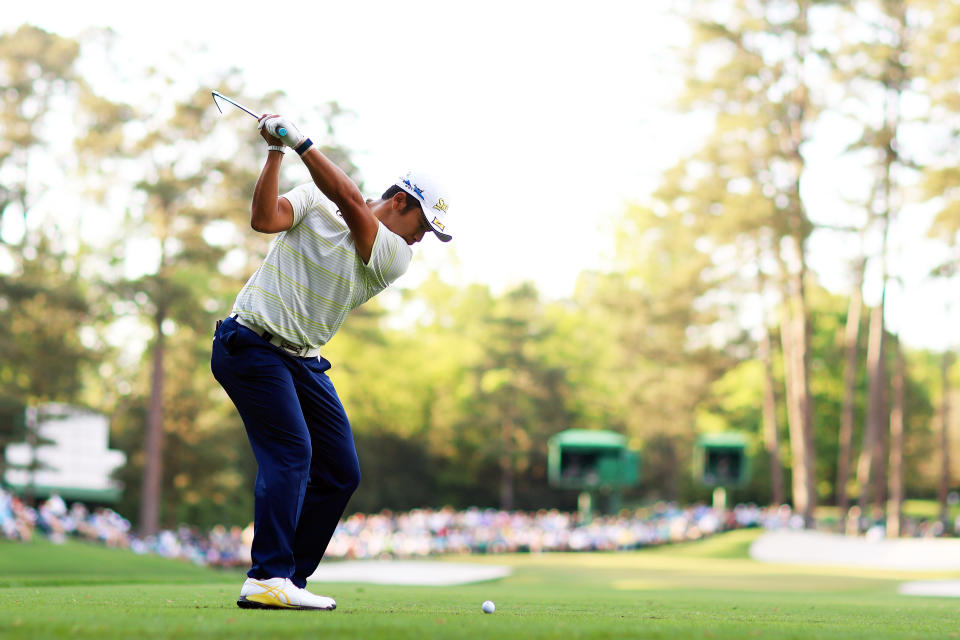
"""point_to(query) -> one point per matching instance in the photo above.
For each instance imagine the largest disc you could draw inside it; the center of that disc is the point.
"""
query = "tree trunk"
(771, 436)
(894, 81)
(798, 229)
(883, 440)
(845, 438)
(895, 476)
(153, 445)
(771, 431)
(795, 349)
(945, 363)
(867, 467)
(802, 364)
(30, 492)
(507, 498)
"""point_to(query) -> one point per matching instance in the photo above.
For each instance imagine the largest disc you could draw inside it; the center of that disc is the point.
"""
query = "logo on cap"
(436, 222)
(441, 205)
(417, 190)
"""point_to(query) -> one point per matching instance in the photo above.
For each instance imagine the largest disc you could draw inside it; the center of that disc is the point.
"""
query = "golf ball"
(488, 606)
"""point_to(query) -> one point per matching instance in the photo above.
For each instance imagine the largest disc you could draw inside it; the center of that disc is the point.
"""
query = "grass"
(42, 563)
(707, 589)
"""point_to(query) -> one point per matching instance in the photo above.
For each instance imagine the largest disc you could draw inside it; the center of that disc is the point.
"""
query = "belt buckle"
(291, 348)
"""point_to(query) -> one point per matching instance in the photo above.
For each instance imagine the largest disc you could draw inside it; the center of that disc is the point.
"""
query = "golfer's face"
(414, 226)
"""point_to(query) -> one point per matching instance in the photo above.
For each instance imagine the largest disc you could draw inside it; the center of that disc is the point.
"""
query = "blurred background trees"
(710, 316)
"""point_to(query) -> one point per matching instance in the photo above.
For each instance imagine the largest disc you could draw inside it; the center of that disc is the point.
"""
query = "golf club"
(216, 94)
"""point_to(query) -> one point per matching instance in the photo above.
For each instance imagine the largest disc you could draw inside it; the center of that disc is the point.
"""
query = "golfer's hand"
(271, 123)
(266, 135)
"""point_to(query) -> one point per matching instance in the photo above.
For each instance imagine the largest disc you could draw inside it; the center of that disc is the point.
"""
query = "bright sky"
(544, 119)
(540, 117)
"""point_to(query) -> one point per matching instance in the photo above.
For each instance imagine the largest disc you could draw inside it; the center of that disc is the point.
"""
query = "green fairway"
(44, 564)
(697, 590)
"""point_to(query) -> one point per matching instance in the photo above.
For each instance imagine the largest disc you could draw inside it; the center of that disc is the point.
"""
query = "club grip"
(274, 128)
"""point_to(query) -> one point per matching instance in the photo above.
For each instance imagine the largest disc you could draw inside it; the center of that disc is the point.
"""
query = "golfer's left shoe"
(280, 593)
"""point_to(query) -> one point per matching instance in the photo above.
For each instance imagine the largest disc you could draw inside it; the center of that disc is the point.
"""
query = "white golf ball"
(488, 606)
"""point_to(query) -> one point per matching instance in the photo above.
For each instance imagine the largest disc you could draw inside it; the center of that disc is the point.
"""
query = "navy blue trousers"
(307, 465)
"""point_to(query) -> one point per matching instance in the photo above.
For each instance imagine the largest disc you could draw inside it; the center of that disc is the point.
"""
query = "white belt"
(289, 347)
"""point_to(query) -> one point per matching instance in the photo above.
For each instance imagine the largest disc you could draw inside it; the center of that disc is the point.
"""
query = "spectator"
(416, 533)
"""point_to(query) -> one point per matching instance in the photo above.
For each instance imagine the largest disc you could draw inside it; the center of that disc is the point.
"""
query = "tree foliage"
(707, 316)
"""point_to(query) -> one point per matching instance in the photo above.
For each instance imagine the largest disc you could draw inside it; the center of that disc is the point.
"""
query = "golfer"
(333, 251)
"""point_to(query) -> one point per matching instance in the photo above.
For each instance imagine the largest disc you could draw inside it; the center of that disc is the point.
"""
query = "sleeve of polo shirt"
(390, 256)
(301, 198)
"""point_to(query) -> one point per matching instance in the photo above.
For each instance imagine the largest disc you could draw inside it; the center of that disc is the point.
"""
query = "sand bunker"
(816, 548)
(827, 549)
(942, 588)
(408, 572)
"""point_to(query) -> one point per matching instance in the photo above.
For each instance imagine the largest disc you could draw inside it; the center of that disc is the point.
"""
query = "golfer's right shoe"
(280, 593)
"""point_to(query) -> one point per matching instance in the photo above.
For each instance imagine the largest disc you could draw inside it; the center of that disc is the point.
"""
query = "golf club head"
(216, 102)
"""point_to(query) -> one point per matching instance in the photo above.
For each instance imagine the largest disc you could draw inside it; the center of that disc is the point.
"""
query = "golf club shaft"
(216, 94)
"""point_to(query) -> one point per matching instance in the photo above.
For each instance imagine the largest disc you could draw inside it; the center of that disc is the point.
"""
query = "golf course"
(706, 589)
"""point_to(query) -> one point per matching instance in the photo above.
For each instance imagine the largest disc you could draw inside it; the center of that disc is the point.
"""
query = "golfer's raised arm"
(337, 186)
(332, 181)
(270, 213)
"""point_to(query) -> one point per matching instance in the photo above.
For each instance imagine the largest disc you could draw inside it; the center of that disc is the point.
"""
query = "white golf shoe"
(280, 593)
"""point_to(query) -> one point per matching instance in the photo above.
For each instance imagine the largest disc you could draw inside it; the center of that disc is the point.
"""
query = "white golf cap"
(430, 196)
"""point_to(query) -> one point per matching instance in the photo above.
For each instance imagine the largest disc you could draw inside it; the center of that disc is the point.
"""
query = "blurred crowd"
(53, 519)
(416, 533)
(425, 532)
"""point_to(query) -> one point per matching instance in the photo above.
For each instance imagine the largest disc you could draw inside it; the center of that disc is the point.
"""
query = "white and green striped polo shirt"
(312, 275)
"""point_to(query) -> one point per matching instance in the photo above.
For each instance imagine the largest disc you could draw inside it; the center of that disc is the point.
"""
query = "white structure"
(78, 463)
(831, 549)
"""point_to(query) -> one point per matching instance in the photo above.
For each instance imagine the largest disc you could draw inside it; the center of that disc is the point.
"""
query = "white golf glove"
(274, 124)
